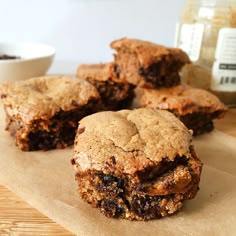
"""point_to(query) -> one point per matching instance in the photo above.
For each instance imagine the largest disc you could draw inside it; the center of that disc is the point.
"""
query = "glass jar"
(207, 32)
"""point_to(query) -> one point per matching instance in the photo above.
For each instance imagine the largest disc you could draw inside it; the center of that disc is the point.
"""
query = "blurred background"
(81, 30)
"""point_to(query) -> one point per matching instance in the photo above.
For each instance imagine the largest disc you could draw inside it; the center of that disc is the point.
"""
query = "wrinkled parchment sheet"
(46, 181)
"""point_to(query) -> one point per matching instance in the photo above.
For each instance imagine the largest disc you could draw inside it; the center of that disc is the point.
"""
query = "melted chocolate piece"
(146, 206)
(111, 208)
(155, 171)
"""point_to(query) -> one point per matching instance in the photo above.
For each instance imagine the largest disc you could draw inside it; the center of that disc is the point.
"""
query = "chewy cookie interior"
(160, 190)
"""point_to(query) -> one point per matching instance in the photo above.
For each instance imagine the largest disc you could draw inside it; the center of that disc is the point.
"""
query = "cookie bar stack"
(156, 70)
(135, 164)
(137, 64)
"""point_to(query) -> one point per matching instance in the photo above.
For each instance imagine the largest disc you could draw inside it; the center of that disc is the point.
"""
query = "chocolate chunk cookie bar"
(135, 164)
(115, 94)
(196, 108)
(147, 64)
(43, 113)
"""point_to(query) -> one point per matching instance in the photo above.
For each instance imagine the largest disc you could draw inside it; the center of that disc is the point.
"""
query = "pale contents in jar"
(199, 73)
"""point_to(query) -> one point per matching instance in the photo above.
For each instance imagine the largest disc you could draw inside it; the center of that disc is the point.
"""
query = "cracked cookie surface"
(42, 113)
(135, 164)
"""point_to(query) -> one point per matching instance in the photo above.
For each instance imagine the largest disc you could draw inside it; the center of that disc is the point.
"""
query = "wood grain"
(17, 218)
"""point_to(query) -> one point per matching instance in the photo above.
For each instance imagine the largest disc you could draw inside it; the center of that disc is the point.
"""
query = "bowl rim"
(51, 51)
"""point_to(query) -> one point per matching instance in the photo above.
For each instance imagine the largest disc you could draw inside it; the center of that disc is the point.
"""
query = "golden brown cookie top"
(182, 100)
(128, 141)
(43, 97)
(101, 72)
(147, 52)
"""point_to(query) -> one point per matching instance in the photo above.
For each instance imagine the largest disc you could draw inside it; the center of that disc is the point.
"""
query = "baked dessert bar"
(115, 94)
(196, 108)
(43, 113)
(147, 64)
(135, 164)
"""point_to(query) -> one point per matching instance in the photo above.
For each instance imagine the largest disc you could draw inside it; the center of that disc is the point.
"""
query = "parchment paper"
(46, 181)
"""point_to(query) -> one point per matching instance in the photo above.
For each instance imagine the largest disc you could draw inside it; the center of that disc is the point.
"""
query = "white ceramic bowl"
(35, 59)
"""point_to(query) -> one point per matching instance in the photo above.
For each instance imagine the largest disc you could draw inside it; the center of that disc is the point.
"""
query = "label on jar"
(190, 39)
(224, 67)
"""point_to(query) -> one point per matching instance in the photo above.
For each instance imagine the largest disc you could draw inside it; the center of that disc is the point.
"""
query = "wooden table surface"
(19, 218)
